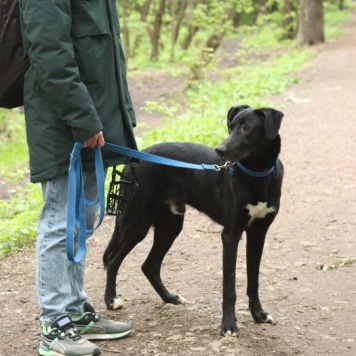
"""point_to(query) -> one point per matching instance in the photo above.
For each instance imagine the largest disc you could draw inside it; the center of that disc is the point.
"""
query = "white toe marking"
(181, 299)
(230, 334)
(258, 211)
(117, 304)
(269, 319)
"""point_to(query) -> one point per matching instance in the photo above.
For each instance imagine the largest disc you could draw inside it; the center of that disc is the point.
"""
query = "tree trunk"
(214, 41)
(156, 33)
(289, 25)
(192, 30)
(236, 20)
(143, 11)
(260, 7)
(177, 13)
(311, 22)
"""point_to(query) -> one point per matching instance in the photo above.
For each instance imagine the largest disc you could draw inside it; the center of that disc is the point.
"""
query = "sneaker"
(94, 327)
(61, 338)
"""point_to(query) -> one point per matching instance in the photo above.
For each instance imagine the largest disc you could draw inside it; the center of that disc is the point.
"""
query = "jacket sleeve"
(46, 30)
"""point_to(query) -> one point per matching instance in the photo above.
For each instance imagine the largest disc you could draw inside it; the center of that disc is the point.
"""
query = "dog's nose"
(220, 151)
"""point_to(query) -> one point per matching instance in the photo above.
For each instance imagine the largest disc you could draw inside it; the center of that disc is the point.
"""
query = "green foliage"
(12, 130)
(337, 264)
(210, 15)
(19, 213)
(18, 218)
(208, 100)
(334, 20)
(243, 6)
(256, 43)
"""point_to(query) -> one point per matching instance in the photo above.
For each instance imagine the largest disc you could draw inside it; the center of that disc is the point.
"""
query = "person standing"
(75, 90)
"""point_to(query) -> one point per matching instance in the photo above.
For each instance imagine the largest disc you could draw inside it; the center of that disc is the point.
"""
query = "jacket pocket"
(89, 18)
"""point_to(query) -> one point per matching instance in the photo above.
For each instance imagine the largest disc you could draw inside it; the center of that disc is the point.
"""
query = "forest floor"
(315, 309)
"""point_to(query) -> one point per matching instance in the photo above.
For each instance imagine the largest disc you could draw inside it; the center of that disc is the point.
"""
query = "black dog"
(244, 197)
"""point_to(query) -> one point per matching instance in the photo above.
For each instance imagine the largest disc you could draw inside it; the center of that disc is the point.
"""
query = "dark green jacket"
(76, 85)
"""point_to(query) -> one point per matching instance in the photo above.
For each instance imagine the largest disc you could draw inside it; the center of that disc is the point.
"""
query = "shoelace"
(72, 333)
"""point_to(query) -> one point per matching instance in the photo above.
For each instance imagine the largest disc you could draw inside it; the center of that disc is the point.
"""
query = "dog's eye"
(244, 128)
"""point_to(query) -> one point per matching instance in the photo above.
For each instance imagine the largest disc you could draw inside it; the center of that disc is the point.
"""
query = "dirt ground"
(315, 309)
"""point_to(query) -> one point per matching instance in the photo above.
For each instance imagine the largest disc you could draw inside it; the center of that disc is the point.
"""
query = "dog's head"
(251, 132)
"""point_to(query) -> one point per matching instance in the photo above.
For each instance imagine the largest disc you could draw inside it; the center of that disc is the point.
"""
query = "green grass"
(13, 147)
(344, 262)
(18, 214)
(18, 218)
(335, 19)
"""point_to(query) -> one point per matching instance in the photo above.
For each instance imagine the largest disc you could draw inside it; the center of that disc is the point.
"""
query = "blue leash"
(76, 218)
(144, 156)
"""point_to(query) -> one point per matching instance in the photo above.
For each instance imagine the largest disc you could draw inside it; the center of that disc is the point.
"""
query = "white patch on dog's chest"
(258, 211)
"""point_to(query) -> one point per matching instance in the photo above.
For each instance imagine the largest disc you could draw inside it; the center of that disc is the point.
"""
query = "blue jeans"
(59, 282)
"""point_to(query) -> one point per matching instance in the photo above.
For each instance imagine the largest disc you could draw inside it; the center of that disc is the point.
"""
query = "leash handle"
(77, 231)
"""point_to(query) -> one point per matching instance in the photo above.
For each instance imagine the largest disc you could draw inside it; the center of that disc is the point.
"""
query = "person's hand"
(98, 139)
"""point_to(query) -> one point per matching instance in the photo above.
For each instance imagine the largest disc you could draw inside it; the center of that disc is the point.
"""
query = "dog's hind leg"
(167, 227)
(126, 236)
(255, 242)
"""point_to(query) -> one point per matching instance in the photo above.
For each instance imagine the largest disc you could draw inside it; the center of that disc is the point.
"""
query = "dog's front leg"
(255, 241)
(230, 240)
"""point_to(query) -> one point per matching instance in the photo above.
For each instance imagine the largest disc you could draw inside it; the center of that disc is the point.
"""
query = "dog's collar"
(249, 172)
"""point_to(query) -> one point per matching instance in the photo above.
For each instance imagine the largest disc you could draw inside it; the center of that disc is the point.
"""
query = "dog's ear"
(233, 111)
(273, 119)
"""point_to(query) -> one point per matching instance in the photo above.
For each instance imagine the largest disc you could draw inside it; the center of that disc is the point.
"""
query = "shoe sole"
(44, 351)
(106, 336)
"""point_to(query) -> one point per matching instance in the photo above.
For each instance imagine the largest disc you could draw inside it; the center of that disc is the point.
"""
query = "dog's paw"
(117, 303)
(269, 319)
(229, 328)
(230, 334)
(175, 299)
(263, 317)
(181, 300)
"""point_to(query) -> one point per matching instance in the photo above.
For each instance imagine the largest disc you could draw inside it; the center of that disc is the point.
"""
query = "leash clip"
(227, 165)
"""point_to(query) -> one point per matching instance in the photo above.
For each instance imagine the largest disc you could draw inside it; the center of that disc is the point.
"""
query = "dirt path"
(315, 309)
